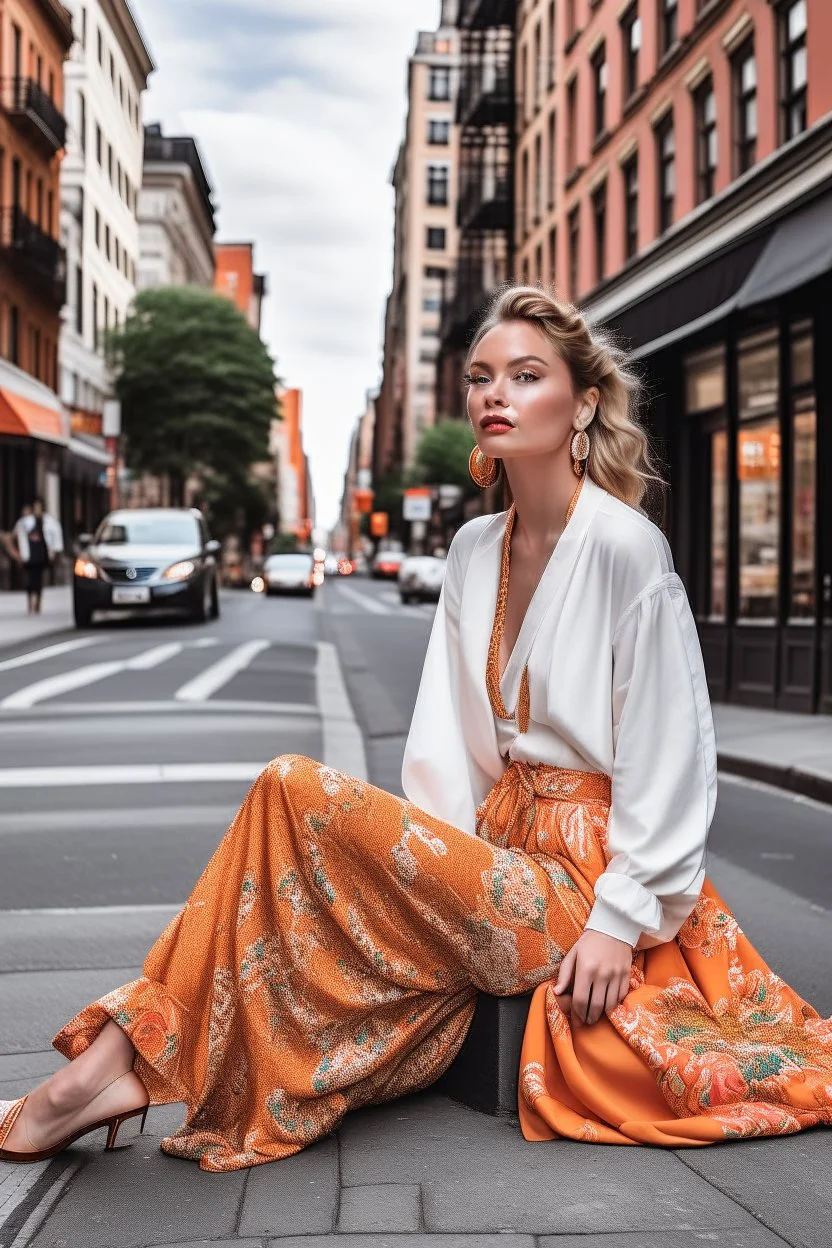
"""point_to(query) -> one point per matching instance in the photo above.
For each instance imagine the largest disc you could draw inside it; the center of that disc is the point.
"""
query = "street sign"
(379, 524)
(417, 504)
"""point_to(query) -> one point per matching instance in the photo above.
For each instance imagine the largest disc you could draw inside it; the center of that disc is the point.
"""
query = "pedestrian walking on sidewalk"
(39, 538)
(561, 780)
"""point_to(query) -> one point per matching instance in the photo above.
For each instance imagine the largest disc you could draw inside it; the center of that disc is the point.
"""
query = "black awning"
(799, 250)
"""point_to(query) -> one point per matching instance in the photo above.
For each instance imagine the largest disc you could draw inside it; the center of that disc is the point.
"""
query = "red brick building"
(35, 37)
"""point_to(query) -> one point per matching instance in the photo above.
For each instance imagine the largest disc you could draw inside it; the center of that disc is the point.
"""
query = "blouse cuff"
(603, 918)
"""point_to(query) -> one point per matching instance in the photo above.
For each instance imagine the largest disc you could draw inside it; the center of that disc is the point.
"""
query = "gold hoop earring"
(580, 452)
(483, 469)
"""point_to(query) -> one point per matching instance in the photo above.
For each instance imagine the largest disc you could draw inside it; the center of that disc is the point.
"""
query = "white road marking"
(364, 600)
(48, 652)
(225, 707)
(218, 674)
(77, 678)
(204, 643)
(126, 773)
(387, 595)
(161, 907)
(343, 740)
(155, 657)
(53, 686)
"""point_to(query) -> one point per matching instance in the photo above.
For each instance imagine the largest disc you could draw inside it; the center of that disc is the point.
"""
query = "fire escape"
(485, 112)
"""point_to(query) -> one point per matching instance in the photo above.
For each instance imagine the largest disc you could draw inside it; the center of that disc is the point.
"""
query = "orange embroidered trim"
(492, 668)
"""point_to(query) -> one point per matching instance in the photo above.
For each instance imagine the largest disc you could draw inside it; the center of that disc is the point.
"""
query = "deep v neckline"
(493, 676)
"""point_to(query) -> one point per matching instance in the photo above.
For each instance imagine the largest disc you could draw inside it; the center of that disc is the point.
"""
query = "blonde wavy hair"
(621, 459)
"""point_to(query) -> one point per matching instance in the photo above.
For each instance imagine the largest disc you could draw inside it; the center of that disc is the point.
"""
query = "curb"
(791, 779)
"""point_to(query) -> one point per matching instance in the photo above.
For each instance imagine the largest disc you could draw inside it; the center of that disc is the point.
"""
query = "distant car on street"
(144, 560)
(421, 578)
(290, 574)
(386, 564)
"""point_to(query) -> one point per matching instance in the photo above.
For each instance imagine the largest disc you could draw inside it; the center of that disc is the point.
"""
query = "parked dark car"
(147, 559)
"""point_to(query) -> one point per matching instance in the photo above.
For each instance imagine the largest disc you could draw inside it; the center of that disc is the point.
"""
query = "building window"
(95, 326)
(551, 59)
(434, 273)
(668, 25)
(431, 303)
(744, 76)
(524, 195)
(100, 47)
(14, 334)
(629, 173)
(705, 397)
(571, 20)
(599, 87)
(794, 68)
(99, 145)
(706, 140)
(538, 67)
(802, 603)
(83, 27)
(631, 42)
(79, 301)
(107, 241)
(553, 256)
(435, 238)
(758, 466)
(439, 83)
(666, 155)
(599, 224)
(97, 228)
(574, 250)
(438, 184)
(439, 133)
(112, 70)
(551, 150)
(571, 123)
(82, 122)
(538, 179)
(538, 264)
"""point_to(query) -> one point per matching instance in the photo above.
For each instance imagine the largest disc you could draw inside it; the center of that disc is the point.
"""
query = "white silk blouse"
(617, 685)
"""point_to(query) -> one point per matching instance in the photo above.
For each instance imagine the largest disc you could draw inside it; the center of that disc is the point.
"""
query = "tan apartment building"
(425, 248)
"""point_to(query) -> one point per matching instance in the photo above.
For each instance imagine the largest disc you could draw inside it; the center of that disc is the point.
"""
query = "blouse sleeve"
(436, 766)
(664, 771)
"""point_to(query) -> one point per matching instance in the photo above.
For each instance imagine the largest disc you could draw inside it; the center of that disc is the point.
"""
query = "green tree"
(196, 386)
(442, 456)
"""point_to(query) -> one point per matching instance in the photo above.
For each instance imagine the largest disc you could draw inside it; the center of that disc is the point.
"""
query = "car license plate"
(130, 595)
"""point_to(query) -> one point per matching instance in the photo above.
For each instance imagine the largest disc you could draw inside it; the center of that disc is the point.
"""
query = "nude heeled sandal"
(10, 1112)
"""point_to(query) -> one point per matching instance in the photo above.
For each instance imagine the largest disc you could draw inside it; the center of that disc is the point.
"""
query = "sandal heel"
(115, 1124)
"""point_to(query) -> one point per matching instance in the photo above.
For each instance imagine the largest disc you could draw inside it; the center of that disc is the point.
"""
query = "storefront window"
(804, 441)
(759, 375)
(802, 347)
(759, 503)
(718, 588)
(705, 380)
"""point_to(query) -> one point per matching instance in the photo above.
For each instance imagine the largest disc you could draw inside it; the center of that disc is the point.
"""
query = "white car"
(421, 578)
(290, 574)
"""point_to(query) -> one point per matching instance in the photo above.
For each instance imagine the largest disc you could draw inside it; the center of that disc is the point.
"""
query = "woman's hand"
(594, 976)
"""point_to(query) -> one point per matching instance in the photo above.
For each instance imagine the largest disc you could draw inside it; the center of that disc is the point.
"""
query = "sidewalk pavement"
(16, 627)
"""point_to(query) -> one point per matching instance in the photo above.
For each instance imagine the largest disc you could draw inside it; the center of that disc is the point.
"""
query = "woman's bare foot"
(98, 1084)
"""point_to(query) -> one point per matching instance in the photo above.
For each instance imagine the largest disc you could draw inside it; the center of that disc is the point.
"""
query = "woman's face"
(520, 396)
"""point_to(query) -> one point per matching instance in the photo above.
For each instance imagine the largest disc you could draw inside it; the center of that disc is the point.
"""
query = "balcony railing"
(32, 110)
(486, 90)
(41, 257)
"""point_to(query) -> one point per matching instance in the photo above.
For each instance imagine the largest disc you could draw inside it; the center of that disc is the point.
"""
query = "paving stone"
(785, 1180)
(136, 1196)
(409, 1241)
(753, 1237)
(380, 1207)
(295, 1196)
(478, 1174)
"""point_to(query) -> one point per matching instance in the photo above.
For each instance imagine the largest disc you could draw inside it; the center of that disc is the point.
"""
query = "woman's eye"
(474, 380)
(526, 375)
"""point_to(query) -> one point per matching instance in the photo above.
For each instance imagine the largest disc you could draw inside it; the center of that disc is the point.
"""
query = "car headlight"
(180, 571)
(86, 568)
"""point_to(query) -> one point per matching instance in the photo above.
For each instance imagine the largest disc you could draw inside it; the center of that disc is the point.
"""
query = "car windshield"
(290, 562)
(149, 531)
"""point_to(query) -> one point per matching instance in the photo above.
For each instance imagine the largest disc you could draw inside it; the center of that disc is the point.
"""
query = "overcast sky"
(298, 108)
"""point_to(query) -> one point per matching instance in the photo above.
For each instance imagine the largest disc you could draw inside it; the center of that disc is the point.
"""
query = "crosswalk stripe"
(126, 773)
(78, 678)
(364, 600)
(48, 652)
(218, 674)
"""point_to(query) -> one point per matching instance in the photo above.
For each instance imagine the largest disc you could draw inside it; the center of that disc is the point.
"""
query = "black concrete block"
(484, 1074)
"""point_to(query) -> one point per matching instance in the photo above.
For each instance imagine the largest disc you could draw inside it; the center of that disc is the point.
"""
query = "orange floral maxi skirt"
(331, 953)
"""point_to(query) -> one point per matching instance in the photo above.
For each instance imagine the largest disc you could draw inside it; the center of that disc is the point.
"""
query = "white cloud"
(298, 108)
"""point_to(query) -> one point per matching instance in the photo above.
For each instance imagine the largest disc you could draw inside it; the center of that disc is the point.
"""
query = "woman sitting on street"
(561, 779)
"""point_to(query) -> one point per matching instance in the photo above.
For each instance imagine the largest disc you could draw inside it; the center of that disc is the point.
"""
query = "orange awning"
(24, 419)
